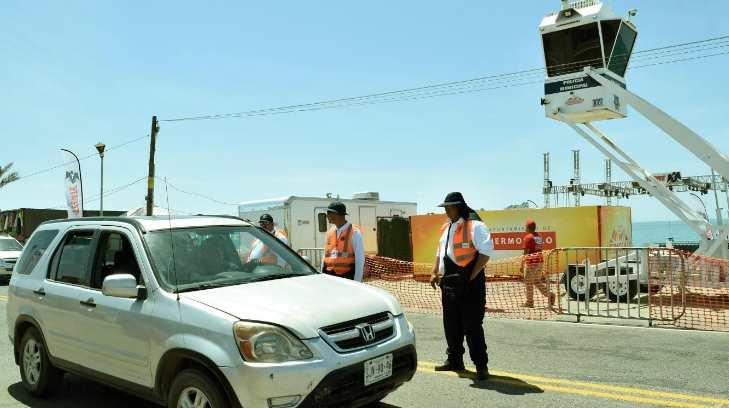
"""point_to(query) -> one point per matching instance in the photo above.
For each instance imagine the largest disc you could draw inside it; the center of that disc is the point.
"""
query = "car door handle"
(40, 292)
(88, 302)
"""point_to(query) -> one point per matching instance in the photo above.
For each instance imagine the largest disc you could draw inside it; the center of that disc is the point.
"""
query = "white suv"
(10, 250)
(176, 311)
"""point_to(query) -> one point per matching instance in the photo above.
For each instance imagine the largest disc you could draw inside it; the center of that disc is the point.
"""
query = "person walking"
(464, 249)
(532, 265)
(344, 251)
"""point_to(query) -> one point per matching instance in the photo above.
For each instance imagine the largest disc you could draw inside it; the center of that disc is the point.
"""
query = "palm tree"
(7, 176)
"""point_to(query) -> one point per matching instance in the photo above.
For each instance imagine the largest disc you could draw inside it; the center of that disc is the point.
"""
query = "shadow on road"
(78, 392)
(502, 384)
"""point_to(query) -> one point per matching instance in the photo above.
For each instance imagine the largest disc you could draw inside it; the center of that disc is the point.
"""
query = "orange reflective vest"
(267, 256)
(464, 251)
(339, 253)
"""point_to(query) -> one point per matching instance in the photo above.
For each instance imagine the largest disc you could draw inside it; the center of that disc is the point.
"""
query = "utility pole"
(150, 177)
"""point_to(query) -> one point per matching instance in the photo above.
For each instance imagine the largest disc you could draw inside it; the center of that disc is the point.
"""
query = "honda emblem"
(367, 332)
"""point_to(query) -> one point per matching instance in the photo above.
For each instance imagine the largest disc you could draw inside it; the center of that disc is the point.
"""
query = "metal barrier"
(618, 282)
(664, 287)
(314, 255)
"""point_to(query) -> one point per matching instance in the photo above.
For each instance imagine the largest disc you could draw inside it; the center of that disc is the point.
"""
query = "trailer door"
(368, 223)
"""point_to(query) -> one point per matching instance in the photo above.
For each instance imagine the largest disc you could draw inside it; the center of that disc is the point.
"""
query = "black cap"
(337, 208)
(454, 198)
(265, 218)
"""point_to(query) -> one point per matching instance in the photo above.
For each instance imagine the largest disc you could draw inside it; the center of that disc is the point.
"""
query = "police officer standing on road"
(261, 251)
(463, 251)
(344, 251)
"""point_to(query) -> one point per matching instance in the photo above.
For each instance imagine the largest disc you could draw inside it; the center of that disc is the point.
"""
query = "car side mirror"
(122, 285)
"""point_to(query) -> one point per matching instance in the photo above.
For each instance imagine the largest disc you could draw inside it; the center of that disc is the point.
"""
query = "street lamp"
(100, 148)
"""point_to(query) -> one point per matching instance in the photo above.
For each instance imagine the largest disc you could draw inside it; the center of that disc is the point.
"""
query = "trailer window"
(322, 221)
(622, 50)
(569, 50)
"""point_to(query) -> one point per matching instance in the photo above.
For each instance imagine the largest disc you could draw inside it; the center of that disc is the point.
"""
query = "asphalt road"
(533, 364)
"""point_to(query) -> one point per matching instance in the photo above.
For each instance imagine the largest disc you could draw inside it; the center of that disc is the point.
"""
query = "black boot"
(450, 366)
(482, 374)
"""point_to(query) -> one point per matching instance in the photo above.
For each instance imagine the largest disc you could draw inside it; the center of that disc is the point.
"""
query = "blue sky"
(75, 73)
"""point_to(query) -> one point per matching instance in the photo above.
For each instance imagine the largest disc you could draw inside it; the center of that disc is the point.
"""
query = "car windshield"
(10, 245)
(188, 259)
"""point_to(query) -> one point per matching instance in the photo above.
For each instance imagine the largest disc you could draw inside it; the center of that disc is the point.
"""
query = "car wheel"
(39, 376)
(577, 285)
(194, 389)
(618, 290)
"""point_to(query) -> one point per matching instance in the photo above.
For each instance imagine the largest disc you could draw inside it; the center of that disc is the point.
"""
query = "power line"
(436, 89)
(111, 191)
(57, 166)
(198, 194)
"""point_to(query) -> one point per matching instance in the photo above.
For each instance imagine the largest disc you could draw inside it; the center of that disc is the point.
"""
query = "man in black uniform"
(463, 251)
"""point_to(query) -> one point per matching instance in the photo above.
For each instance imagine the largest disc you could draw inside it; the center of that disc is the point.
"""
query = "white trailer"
(304, 218)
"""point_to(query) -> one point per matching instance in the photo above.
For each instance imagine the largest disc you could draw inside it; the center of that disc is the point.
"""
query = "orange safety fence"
(689, 291)
(682, 291)
(505, 287)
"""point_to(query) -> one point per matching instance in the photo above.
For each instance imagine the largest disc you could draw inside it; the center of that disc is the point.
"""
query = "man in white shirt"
(344, 251)
(464, 250)
(260, 251)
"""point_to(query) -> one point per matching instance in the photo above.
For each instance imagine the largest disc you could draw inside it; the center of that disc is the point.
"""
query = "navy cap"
(337, 208)
(265, 218)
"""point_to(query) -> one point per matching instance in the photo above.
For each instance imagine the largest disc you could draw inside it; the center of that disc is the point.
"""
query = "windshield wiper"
(276, 276)
(203, 286)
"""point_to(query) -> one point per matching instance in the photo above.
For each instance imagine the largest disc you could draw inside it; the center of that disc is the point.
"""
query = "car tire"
(195, 389)
(577, 285)
(38, 375)
(621, 292)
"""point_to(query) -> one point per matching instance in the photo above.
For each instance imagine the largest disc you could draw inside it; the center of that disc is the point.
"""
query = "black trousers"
(464, 308)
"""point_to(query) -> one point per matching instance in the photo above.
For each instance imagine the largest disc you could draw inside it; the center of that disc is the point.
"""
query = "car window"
(10, 245)
(71, 261)
(114, 255)
(190, 257)
(35, 249)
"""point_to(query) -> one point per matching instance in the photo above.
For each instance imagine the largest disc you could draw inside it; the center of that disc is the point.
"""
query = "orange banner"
(587, 226)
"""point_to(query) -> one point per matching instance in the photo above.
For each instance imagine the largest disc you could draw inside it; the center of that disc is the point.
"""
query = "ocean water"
(655, 232)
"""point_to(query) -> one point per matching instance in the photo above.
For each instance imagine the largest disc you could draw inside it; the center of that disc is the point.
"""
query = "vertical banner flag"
(73, 187)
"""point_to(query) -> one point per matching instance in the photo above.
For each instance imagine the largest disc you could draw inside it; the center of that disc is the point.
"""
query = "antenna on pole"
(172, 243)
(547, 182)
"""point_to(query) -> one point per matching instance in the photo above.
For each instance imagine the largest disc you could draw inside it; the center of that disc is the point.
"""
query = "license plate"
(377, 369)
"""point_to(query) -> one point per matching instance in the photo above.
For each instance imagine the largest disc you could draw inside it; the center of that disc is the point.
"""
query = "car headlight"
(265, 343)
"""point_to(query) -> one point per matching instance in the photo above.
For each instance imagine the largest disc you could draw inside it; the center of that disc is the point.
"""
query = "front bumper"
(330, 379)
(345, 387)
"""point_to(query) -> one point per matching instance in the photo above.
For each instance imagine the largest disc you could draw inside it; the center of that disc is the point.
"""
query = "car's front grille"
(345, 387)
(10, 262)
(359, 333)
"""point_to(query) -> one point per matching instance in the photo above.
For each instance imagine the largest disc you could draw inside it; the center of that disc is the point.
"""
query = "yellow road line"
(549, 384)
